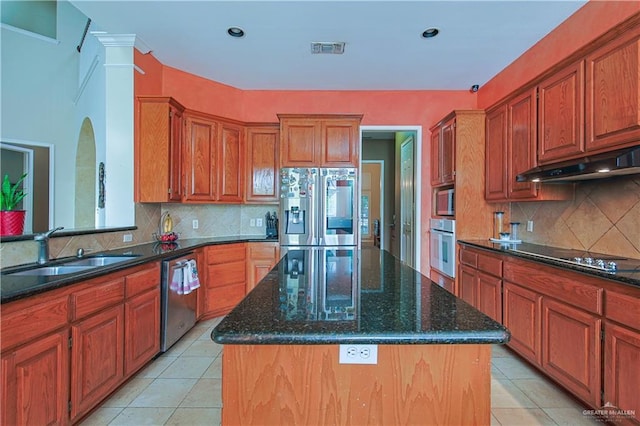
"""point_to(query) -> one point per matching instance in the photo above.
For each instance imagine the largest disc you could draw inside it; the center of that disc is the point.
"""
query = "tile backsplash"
(213, 221)
(604, 217)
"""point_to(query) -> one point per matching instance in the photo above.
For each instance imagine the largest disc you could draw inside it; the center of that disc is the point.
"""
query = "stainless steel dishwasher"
(178, 306)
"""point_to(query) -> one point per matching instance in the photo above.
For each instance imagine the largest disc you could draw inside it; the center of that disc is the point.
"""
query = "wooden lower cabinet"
(65, 350)
(522, 316)
(35, 382)
(261, 258)
(97, 364)
(571, 349)
(489, 299)
(142, 328)
(225, 283)
(622, 367)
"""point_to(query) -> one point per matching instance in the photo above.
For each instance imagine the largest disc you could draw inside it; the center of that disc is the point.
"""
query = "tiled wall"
(604, 217)
(213, 221)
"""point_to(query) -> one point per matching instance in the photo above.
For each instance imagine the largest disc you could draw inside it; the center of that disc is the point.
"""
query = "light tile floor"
(183, 387)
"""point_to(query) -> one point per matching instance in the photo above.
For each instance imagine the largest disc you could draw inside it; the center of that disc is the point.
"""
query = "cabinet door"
(261, 258)
(300, 142)
(490, 296)
(97, 365)
(231, 162)
(468, 284)
(613, 93)
(340, 143)
(158, 154)
(561, 114)
(571, 349)
(496, 154)
(522, 316)
(622, 367)
(35, 382)
(263, 147)
(142, 330)
(436, 173)
(448, 152)
(200, 159)
(521, 144)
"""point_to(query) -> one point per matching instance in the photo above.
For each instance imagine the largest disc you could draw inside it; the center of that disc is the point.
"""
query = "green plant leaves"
(11, 195)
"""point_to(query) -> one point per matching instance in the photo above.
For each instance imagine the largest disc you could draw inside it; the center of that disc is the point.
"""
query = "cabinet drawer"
(468, 257)
(226, 297)
(97, 297)
(223, 275)
(623, 309)
(225, 253)
(571, 288)
(262, 251)
(141, 281)
(489, 264)
(33, 321)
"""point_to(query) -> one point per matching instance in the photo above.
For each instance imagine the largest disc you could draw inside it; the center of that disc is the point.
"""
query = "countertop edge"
(38, 287)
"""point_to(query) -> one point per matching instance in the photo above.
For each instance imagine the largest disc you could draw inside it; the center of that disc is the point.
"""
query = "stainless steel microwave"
(445, 200)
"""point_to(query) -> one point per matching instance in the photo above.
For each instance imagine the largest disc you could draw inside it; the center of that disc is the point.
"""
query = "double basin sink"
(74, 266)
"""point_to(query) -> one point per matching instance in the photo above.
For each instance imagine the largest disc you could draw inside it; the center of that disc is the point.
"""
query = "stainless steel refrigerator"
(319, 235)
(318, 207)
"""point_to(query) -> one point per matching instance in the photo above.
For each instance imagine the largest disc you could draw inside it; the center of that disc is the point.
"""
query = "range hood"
(621, 162)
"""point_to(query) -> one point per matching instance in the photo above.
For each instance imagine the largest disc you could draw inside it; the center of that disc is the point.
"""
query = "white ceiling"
(384, 48)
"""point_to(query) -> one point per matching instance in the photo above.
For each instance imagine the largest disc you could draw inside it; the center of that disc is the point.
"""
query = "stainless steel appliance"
(445, 200)
(177, 301)
(443, 246)
(318, 207)
(319, 283)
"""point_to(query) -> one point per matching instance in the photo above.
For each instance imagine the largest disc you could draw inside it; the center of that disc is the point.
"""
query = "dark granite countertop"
(628, 271)
(18, 287)
(386, 303)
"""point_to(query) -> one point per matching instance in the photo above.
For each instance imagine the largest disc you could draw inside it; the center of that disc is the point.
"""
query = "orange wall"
(584, 26)
(401, 108)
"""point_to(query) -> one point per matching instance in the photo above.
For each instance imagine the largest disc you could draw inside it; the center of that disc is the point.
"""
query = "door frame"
(417, 182)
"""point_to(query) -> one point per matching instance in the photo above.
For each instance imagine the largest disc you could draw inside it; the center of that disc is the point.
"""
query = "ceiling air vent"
(336, 48)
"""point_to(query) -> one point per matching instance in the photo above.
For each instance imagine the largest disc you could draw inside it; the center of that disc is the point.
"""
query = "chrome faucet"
(43, 241)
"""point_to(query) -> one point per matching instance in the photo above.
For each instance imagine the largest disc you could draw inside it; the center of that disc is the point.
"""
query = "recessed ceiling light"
(603, 170)
(430, 32)
(235, 32)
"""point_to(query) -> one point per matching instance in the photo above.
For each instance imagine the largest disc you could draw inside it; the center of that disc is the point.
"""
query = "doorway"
(384, 143)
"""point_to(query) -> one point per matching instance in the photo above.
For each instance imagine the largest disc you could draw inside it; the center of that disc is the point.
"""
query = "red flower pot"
(12, 222)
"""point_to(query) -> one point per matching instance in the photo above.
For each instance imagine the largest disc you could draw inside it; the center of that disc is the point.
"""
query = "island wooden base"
(305, 385)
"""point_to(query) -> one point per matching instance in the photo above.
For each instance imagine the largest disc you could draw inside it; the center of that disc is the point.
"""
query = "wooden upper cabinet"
(448, 152)
(510, 149)
(300, 142)
(443, 148)
(435, 157)
(340, 145)
(561, 114)
(262, 164)
(319, 141)
(496, 154)
(613, 93)
(201, 142)
(158, 150)
(231, 162)
(521, 143)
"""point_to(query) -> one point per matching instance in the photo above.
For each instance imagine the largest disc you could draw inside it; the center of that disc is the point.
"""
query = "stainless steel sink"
(100, 260)
(55, 270)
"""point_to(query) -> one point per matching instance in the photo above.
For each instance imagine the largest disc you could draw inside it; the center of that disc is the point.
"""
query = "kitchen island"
(282, 360)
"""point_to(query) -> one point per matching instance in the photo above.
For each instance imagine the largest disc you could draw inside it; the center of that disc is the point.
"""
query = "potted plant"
(11, 220)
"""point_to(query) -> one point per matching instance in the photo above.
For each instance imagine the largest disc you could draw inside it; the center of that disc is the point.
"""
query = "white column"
(119, 121)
